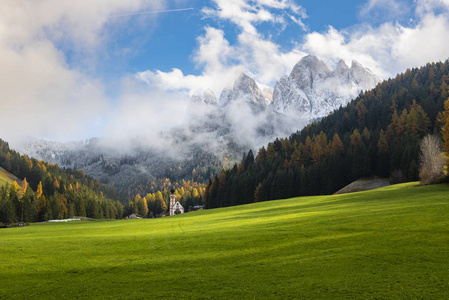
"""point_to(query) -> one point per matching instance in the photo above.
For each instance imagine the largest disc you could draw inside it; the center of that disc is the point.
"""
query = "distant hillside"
(7, 178)
(377, 134)
(46, 191)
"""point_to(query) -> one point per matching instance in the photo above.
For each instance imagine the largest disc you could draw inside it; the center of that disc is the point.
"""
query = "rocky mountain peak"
(308, 70)
(207, 97)
(342, 65)
(244, 89)
(313, 90)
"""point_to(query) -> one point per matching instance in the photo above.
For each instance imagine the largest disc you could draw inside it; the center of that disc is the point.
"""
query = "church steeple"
(174, 206)
(172, 202)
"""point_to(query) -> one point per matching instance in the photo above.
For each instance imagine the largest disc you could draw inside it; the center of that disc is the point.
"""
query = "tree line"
(188, 193)
(378, 133)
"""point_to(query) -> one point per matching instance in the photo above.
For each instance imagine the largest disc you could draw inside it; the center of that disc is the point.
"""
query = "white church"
(175, 207)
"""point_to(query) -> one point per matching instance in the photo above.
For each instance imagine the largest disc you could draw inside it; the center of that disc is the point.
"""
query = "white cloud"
(252, 53)
(141, 115)
(40, 94)
(390, 48)
(383, 10)
(423, 7)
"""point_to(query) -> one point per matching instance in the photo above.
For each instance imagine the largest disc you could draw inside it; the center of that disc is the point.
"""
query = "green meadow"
(6, 177)
(384, 244)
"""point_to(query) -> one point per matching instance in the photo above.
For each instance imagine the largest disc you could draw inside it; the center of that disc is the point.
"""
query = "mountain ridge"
(216, 131)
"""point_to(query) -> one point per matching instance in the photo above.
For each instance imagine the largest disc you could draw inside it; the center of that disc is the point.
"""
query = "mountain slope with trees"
(378, 133)
(49, 192)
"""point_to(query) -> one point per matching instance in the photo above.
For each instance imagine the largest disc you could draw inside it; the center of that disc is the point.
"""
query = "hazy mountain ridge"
(217, 130)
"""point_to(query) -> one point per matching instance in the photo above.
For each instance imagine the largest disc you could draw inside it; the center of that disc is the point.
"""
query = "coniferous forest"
(49, 192)
(378, 133)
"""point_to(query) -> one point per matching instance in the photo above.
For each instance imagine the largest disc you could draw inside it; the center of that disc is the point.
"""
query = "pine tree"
(261, 155)
(43, 209)
(361, 113)
(159, 206)
(62, 207)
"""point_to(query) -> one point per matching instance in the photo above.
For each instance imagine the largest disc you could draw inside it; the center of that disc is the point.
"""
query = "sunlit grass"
(6, 177)
(387, 243)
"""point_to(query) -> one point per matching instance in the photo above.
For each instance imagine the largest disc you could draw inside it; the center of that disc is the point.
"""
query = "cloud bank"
(41, 94)
(50, 49)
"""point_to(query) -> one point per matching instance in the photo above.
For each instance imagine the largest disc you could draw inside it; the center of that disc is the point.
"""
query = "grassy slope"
(387, 243)
(6, 177)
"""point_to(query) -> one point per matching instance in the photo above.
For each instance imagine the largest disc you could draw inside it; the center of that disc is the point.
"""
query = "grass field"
(6, 177)
(391, 243)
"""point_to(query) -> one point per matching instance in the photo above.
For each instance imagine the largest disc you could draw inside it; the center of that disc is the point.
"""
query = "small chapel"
(175, 208)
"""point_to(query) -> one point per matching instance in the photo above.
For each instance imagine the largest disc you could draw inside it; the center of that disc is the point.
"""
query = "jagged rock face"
(245, 89)
(313, 90)
(207, 97)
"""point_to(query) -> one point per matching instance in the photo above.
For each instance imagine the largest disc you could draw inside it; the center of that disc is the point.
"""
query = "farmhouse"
(134, 216)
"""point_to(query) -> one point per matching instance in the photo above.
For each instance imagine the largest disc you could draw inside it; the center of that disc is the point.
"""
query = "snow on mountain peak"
(207, 97)
(313, 90)
(307, 70)
(244, 89)
(342, 65)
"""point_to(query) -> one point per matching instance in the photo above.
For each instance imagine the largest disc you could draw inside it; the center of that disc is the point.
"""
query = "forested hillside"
(49, 192)
(378, 133)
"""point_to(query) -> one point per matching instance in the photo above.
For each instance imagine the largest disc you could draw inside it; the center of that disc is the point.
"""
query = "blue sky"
(76, 69)
(173, 39)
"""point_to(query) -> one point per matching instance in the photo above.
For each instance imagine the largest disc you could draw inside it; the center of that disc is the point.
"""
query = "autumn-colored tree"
(39, 190)
(396, 128)
(317, 152)
(382, 144)
(43, 209)
(56, 184)
(400, 129)
(159, 205)
(62, 207)
(260, 193)
(366, 136)
(23, 187)
(195, 193)
(444, 87)
(140, 205)
(308, 146)
(417, 121)
(361, 113)
(356, 139)
(336, 146)
(296, 157)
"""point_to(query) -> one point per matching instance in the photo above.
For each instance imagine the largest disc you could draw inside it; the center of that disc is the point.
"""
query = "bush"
(431, 160)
